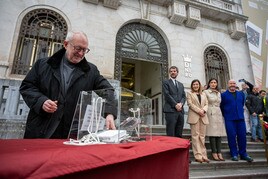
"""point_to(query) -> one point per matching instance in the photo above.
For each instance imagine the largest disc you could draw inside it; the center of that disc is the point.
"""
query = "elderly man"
(52, 87)
(232, 109)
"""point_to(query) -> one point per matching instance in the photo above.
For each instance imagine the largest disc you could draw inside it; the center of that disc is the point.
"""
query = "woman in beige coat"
(197, 118)
(216, 127)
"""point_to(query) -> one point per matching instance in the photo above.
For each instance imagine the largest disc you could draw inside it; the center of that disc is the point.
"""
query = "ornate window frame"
(216, 65)
(42, 32)
(140, 42)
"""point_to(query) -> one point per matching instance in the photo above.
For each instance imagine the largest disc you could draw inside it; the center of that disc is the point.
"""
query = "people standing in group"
(197, 118)
(246, 89)
(51, 89)
(175, 98)
(265, 103)
(262, 94)
(232, 104)
(255, 105)
(216, 127)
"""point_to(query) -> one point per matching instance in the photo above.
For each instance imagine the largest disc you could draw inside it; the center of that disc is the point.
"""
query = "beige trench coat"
(216, 126)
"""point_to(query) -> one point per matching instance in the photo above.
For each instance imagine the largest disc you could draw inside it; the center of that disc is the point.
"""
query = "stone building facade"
(133, 41)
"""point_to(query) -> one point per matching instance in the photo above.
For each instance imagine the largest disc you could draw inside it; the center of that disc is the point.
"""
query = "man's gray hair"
(71, 34)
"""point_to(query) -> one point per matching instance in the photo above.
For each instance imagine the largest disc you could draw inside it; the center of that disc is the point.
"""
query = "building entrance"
(145, 78)
(141, 63)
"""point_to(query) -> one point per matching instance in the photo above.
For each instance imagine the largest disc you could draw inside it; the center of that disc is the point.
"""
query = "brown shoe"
(206, 160)
(199, 160)
(220, 157)
(215, 157)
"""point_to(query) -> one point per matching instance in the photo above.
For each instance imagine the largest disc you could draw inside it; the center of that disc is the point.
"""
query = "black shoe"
(234, 158)
(254, 140)
(261, 140)
(247, 158)
(248, 134)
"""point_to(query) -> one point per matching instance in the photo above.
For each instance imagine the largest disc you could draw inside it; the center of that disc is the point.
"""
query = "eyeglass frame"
(78, 48)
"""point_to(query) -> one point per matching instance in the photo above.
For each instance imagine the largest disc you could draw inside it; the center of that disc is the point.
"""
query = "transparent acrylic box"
(133, 111)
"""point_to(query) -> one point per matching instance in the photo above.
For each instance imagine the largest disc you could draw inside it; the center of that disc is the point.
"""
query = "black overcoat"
(43, 82)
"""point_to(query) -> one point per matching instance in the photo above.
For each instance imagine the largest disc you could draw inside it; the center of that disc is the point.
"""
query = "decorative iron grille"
(42, 33)
(216, 66)
(140, 42)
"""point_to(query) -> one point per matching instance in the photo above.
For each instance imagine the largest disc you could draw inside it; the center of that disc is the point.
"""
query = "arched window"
(42, 33)
(216, 65)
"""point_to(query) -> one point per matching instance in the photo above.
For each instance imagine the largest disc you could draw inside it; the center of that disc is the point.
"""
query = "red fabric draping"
(163, 157)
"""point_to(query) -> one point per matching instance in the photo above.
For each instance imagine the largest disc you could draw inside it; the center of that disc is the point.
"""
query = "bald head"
(232, 85)
(255, 89)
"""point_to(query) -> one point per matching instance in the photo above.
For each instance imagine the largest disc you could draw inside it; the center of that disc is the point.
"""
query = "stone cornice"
(216, 13)
(189, 12)
(114, 4)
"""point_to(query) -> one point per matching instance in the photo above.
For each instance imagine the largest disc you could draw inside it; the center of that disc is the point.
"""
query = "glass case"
(133, 113)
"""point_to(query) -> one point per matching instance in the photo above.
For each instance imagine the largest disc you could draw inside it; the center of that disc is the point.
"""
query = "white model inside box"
(113, 136)
(109, 136)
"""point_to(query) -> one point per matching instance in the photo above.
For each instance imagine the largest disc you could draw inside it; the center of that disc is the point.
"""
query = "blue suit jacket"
(231, 107)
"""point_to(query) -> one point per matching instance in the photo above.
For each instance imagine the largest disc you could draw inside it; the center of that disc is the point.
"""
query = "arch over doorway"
(140, 42)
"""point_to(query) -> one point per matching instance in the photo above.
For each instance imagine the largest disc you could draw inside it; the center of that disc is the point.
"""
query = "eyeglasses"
(78, 49)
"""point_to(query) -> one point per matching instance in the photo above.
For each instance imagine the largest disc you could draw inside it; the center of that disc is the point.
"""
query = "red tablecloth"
(163, 157)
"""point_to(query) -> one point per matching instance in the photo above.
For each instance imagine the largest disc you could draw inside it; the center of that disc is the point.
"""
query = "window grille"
(42, 33)
(216, 66)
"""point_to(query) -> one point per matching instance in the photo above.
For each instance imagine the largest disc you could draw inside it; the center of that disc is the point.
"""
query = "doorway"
(141, 63)
(145, 78)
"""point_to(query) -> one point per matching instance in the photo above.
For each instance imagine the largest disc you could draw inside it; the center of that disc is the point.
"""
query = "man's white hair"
(71, 34)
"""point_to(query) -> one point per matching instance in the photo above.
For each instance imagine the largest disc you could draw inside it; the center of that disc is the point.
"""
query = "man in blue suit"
(174, 100)
(232, 109)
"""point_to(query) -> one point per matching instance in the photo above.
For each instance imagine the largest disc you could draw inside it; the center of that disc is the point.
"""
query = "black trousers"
(215, 144)
(174, 124)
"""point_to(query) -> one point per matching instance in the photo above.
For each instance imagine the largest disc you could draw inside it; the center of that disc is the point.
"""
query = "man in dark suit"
(175, 98)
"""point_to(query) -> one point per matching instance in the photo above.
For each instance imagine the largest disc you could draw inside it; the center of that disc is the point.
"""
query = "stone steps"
(228, 164)
(226, 169)
(254, 153)
(237, 173)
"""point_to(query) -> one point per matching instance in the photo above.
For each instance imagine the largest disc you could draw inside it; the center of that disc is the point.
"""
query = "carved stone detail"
(145, 8)
(106, 3)
(236, 29)
(111, 3)
(92, 1)
(193, 17)
(177, 13)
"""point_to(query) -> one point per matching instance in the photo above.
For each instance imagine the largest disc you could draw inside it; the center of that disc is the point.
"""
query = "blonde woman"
(216, 127)
(197, 118)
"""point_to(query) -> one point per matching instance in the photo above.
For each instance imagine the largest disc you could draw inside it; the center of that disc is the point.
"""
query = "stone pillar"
(12, 101)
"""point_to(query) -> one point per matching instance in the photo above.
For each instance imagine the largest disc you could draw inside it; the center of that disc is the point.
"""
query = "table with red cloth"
(163, 157)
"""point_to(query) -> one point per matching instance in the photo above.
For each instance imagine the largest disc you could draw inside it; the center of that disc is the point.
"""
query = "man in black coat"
(255, 107)
(52, 87)
(174, 100)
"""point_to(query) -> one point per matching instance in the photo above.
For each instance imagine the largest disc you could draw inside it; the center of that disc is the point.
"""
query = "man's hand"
(50, 106)
(110, 122)
(178, 107)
